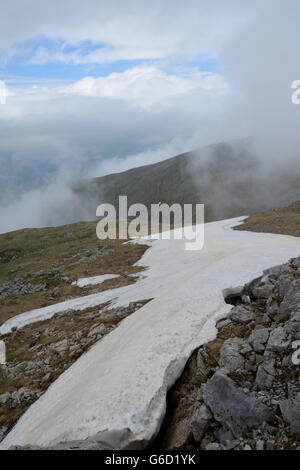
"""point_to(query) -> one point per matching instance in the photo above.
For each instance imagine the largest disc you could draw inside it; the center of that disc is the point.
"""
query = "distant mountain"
(226, 177)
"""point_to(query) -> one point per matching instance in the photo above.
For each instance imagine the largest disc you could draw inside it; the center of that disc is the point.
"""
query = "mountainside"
(226, 177)
(39, 268)
(123, 379)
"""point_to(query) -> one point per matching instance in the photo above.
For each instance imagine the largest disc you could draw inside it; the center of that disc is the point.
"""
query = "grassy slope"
(62, 247)
(285, 220)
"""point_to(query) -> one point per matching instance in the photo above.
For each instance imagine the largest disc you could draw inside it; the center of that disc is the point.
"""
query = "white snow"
(91, 281)
(117, 390)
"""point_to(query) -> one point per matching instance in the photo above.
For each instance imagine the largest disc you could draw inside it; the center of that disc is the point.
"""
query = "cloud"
(52, 205)
(119, 31)
(146, 85)
(52, 133)
(261, 64)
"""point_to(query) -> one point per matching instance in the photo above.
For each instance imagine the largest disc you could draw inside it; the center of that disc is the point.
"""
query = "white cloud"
(146, 85)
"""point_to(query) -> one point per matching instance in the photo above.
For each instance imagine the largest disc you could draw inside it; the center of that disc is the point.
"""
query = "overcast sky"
(95, 87)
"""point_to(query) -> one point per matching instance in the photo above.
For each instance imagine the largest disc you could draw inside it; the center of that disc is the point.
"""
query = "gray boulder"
(61, 347)
(242, 315)
(293, 325)
(265, 375)
(263, 291)
(283, 284)
(291, 301)
(278, 340)
(232, 407)
(258, 339)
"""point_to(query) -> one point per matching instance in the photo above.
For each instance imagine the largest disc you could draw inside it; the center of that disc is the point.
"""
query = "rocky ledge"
(242, 390)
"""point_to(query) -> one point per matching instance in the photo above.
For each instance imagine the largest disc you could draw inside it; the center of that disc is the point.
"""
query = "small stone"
(55, 293)
(291, 413)
(270, 444)
(260, 445)
(265, 375)
(223, 323)
(203, 370)
(46, 378)
(230, 357)
(242, 315)
(259, 338)
(291, 300)
(60, 347)
(278, 340)
(97, 330)
(213, 446)
(200, 422)
(246, 349)
(4, 398)
(263, 291)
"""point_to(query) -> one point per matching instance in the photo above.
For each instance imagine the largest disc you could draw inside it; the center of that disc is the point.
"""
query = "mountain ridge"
(227, 177)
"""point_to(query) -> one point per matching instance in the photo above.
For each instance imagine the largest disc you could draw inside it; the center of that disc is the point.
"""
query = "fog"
(169, 103)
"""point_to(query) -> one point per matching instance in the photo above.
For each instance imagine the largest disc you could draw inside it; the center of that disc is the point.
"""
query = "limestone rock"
(200, 422)
(258, 339)
(291, 300)
(232, 407)
(230, 356)
(265, 375)
(291, 412)
(242, 315)
(278, 340)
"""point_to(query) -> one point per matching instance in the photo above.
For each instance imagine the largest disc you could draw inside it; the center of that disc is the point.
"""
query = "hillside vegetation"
(285, 221)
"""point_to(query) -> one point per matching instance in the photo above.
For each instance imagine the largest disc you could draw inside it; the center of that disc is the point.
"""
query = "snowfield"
(116, 392)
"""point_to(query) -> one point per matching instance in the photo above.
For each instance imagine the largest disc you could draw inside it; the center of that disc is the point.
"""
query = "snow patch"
(91, 281)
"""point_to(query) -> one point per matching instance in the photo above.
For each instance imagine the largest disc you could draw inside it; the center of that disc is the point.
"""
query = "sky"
(89, 88)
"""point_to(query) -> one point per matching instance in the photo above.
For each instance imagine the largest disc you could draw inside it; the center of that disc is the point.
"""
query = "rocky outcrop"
(242, 390)
(31, 283)
(8, 256)
(18, 287)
